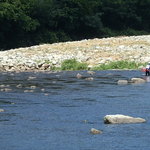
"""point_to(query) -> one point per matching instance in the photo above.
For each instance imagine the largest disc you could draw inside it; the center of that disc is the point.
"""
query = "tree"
(15, 21)
(31, 22)
(143, 10)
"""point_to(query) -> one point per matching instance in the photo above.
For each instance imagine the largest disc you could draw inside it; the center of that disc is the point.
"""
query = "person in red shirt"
(147, 72)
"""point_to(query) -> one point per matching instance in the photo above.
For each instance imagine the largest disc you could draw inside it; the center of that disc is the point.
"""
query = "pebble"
(91, 72)
(1, 110)
(79, 76)
(28, 91)
(89, 78)
(95, 131)
(122, 82)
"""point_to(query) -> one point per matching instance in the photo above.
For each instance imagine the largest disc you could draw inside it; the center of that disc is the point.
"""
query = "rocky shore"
(93, 52)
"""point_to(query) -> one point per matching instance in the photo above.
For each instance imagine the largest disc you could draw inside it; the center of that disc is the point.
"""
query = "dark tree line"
(30, 22)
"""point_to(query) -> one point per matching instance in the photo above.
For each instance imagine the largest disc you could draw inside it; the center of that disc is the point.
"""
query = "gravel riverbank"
(93, 52)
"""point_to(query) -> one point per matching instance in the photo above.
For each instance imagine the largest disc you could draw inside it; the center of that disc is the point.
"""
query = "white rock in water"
(79, 76)
(117, 119)
(138, 80)
(89, 79)
(95, 131)
(122, 82)
(1, 110)
(91, 72)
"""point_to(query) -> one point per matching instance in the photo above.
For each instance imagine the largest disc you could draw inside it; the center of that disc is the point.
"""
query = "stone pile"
(93, 52)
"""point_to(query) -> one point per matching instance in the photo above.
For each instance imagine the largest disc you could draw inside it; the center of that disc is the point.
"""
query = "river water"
(55, 111)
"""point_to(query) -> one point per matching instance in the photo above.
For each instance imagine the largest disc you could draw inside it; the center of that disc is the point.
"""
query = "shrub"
(72, 64)
(119, 65)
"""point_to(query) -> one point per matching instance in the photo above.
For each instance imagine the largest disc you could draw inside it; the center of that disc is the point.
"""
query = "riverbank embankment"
(93, 52)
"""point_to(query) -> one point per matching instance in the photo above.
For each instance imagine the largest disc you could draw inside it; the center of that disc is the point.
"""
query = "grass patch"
(53, 68)
(72, 64)
(119, 65)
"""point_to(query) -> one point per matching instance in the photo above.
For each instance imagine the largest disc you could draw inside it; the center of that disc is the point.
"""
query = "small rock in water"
(118, 119)
(79, 76)
(46, 94)
(6, 90)
(137, 80)
(89, 79)
(19, 86)
(33, 87)
(42, 90)
(2, 86)
(85, 121)
(122, 82)
(1, 110)
(91, 72)
(28, 91)
(95, 131)
(31, 78)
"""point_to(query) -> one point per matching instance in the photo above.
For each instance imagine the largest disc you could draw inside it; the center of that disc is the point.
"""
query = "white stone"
(118, 119)
(89, 79)
(91, 72)
(122, 82)
(79, 76)
(138, 80)
(95, 131)
(1, 110)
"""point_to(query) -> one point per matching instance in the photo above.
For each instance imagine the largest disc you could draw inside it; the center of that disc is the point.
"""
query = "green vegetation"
(31, 22)
(53, 68)
(119, 65)
(72, 64)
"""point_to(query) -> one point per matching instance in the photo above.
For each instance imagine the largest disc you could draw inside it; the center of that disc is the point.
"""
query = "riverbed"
(56, 110)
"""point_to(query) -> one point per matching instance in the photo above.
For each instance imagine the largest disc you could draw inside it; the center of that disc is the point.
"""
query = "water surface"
(55, 111)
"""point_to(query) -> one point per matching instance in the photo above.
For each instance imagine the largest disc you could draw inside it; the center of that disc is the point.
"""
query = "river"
(55, 111)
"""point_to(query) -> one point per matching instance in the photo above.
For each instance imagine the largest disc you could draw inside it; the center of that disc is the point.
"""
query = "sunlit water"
(55, 111)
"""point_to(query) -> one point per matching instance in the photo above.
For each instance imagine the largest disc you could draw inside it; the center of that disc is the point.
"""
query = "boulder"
(95, 131)
(117, 119)
(122, 82)
(137, 80)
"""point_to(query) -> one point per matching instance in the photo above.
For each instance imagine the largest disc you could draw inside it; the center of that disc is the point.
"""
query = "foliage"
(30, 22)
(72, 64)
(119, 65)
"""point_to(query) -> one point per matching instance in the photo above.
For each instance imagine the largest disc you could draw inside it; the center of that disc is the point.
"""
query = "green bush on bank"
(72, 64)
(119, 65)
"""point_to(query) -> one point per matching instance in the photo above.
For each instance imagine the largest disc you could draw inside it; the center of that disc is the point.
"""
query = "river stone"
(91, 72)
(137, 80)
(1, 110)
(118, 119)
(95, 131)
(89, 79)
(122, 82)
(79, 76)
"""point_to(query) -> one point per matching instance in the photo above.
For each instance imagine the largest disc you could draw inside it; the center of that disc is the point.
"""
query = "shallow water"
(55, 111)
